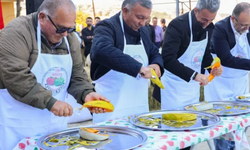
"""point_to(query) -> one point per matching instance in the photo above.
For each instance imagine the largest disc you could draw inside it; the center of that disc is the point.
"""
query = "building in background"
(9, 10)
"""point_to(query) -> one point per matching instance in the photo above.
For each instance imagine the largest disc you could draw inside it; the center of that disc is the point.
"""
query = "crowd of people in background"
(44, 53)
(156, 32)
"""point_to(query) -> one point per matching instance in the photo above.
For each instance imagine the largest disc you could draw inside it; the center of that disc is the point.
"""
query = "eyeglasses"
(242, 25)
(61, 30)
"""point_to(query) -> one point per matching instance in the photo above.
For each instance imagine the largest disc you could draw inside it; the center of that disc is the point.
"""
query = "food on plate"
(92, 134)
(179, 120)
(179, 116)
(201, 107)
(179, 124)
(99, 103)
(72, 142)
(156, 80)
(243, 97)
(156, 122)
(218, 109)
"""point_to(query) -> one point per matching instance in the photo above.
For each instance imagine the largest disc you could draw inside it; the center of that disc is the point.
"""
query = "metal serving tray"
(237, 108)
(204, 120)
(246, 99)
(119, 138)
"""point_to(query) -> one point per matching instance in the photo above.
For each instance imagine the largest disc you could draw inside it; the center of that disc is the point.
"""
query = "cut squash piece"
(99, 103)
(92, 134)
(179, 116)
(156, 81)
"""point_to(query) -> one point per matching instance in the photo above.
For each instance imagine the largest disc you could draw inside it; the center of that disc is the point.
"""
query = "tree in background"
(18, 8)
(81, 18)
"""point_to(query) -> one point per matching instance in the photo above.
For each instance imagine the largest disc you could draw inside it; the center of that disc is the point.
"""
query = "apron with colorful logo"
(19, 120)
(129, 95)
(177, 92)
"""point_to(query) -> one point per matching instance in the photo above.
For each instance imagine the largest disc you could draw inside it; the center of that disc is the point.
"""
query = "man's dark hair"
(98, 18)
(89, 18)
(163, 21)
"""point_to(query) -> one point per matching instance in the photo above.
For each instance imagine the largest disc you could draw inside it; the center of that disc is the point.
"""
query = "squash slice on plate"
(92, 134)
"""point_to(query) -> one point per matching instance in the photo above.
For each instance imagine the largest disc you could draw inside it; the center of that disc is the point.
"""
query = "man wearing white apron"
(230, 42)
(34, 76)
(121, 50)
(185, 51)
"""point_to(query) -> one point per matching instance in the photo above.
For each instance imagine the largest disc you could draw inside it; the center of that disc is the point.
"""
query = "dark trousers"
(224, 144)
(158, 44)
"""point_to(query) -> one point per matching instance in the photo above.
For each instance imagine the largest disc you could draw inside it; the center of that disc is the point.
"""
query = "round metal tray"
(204, 120)
(119, 138)
(234, 111)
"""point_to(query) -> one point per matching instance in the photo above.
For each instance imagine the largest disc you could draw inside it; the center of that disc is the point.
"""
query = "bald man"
(40, 62)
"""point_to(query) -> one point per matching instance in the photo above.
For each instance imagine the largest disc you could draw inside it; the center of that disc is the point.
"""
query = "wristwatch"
(195, 74)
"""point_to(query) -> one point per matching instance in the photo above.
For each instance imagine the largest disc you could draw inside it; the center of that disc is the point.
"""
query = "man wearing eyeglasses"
(40, 63)
(230, 42)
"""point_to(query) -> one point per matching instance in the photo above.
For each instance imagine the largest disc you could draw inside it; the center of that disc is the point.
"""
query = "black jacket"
(176, 41)
(151, 31)
(88, 42)
(223, 40)
(107, 49)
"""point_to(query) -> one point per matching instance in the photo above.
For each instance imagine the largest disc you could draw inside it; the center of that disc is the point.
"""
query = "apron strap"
(190, 26)
(122, 26)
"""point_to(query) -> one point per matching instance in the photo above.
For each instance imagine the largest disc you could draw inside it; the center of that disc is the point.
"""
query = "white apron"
(232, 82)
(19, 120)
(77, 116)
(129, 95)
(177, 92)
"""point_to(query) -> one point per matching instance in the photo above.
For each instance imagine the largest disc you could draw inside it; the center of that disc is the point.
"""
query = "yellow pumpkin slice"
(92, 134)
(156, 80)
(179, 116)
(99, 103)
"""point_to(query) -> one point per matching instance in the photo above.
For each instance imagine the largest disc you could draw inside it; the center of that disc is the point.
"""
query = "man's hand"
(145, 72)
(95, 96)
(203, 79)
(217, 71)
(156, 68)
(61, 108)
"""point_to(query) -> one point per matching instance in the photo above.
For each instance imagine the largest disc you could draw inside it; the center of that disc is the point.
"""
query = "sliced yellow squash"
(92, 134)
(179, 116)
(156, 81)
(99, 103)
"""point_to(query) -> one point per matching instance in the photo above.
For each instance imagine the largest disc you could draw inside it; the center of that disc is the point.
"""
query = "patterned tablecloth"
(230, 128)
(165, 140)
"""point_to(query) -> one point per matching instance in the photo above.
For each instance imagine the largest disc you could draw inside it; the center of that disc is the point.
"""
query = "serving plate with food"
(243, 97)
(93, 137)
(174, 120)
(221, 108)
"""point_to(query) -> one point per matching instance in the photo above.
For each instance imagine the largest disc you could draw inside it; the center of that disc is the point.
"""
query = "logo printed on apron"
(241, 55)
(139, 59)
(197, 58)
(54, 79)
